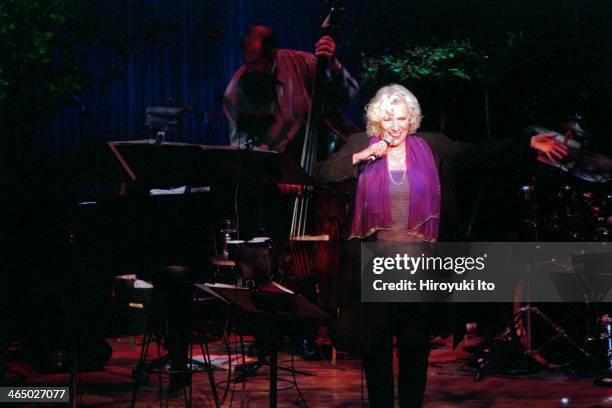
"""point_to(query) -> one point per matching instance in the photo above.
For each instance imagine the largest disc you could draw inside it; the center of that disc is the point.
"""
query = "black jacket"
(455, 160)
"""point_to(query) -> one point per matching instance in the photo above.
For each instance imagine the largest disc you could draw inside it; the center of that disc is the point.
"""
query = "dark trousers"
(411, 324)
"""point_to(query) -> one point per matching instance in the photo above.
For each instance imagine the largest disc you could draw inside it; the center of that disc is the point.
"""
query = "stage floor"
(450, 383)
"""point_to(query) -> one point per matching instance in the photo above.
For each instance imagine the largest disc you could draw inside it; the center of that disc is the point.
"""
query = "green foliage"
(41, 44)
(455, 60)
(29, 81)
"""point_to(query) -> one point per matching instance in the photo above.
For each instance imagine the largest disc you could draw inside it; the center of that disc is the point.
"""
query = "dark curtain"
(159, 53)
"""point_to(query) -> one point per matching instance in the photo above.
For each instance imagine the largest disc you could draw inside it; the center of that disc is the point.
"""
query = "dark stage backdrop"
(139, 53)
(146, 52)
(153, 53)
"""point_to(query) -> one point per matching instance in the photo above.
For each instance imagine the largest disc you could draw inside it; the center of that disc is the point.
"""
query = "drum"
(256, 260)
(561, 207)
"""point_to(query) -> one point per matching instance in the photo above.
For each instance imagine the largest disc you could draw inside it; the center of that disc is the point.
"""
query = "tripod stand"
(557, 335)
(279, 309)
(606, 325)
(269, 343)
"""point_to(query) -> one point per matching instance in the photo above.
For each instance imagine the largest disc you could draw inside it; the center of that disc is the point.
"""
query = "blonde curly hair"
(386, 96)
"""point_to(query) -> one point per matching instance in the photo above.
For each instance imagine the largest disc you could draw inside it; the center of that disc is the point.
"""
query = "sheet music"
(209, 288)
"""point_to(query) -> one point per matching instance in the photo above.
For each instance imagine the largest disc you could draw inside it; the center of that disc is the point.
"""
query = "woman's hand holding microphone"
(374, 151)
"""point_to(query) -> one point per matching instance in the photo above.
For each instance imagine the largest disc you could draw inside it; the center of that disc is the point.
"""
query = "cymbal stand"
(559, 331)
(249, 369)
(606, 325)
(492, 353)
(487, 357)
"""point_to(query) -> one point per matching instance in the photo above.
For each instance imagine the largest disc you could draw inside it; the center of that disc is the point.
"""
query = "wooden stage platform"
(450, 383)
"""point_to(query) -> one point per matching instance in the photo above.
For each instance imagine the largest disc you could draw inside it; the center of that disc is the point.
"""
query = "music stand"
(277, 306)
(151, 163)
(594, 271)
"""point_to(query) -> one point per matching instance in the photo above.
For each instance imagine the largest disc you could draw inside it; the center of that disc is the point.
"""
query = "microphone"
(388, 140)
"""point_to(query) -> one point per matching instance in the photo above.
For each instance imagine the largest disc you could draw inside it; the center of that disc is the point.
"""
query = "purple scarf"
(372, 206)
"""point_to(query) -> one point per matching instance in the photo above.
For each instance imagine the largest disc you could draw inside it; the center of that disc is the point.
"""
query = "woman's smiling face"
(395, 123)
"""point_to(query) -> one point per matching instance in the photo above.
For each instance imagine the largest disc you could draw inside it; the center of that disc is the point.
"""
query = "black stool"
(169, 317)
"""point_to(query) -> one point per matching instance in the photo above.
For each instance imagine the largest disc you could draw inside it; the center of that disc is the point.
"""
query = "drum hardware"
(559, 209)
(504, 352)
(228, 231)
(570, 199)
(501, 353)
(606, 335)
(559, 333)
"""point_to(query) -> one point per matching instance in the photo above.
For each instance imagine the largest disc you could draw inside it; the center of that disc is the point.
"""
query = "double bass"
(318, 216)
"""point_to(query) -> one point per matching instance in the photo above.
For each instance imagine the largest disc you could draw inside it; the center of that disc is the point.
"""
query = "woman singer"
(406, 193)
